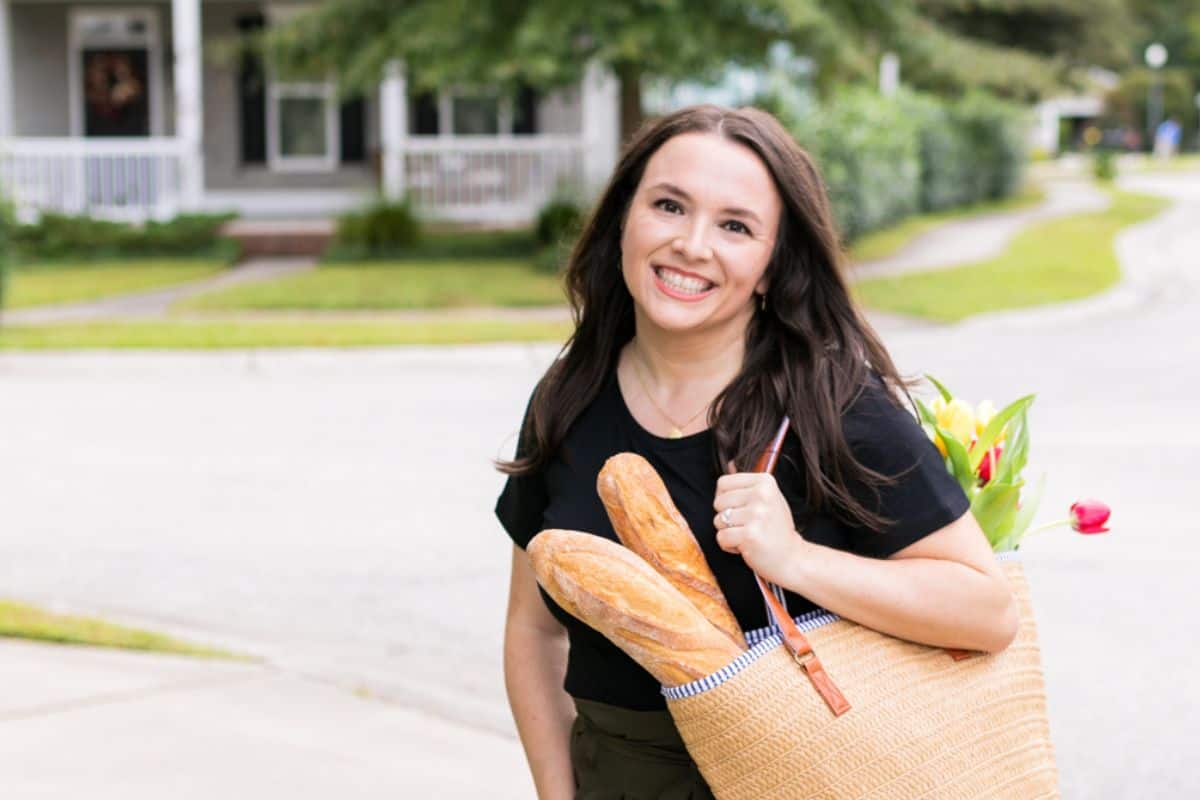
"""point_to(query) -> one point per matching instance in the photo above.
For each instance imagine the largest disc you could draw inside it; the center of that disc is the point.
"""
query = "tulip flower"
(983, 415)
(1089, 516)
(1085, 516)
(955, 418)
(989, 463)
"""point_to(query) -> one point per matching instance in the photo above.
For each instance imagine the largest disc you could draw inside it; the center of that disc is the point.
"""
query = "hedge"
(884, 159)
(58, 236)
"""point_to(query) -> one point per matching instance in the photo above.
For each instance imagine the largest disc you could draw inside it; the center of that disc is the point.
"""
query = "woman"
(709, 302)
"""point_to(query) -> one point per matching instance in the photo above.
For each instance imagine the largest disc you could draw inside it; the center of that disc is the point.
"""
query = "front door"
(116, 92)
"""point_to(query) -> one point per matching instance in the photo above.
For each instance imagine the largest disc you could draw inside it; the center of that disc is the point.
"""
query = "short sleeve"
(924, 498)
(523, 498)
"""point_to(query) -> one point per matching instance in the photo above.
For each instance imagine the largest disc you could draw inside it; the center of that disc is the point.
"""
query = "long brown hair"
(808, 354)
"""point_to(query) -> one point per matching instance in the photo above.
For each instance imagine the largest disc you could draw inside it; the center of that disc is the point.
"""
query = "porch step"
(279, 237)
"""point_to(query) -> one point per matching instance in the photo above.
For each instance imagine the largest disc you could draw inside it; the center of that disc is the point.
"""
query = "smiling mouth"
(684, 284)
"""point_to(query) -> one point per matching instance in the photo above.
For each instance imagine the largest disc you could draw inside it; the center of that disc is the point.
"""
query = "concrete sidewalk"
(94, 722)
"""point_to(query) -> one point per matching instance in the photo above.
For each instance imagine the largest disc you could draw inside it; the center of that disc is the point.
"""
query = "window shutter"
(252, 98)
(525, 110)
(423, 115)
(353, 121)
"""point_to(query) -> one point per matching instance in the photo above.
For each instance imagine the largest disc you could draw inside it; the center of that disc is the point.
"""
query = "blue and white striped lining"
(763, 641)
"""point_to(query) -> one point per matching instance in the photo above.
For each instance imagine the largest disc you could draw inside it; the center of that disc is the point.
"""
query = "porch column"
(600, 126)
(7, 122)
(393, 121)
(189, 123)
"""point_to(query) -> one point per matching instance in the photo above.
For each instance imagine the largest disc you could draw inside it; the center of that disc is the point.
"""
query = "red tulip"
(1089, 516)
(989, 463)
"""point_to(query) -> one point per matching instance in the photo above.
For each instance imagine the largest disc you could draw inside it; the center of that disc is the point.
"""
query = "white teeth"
(682, 283)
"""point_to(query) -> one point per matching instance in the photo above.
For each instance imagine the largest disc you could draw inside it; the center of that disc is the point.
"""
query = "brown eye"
(665, 202)
(744, 229)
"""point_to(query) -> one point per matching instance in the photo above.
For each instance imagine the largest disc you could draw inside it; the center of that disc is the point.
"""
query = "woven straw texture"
(921, 725)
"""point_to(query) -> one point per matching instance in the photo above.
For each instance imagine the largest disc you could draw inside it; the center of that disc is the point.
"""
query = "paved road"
(333, 509)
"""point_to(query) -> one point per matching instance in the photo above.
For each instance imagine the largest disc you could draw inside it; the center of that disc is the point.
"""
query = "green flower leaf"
(995, 426)
(942, 389)
(1025, 515)
(927, 415)
(1012, 462)
(960, 461)
(995, 508)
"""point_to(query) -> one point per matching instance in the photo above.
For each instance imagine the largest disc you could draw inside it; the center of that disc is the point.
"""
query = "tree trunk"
(629, 75)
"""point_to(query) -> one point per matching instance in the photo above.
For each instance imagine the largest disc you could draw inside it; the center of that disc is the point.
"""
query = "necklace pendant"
(675, 433)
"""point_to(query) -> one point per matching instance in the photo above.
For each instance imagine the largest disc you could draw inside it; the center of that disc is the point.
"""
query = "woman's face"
(699, 234)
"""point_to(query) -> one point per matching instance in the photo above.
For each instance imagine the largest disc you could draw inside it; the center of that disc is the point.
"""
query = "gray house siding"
(39, 58)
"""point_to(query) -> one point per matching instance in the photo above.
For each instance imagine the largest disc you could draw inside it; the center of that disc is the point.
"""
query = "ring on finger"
(725, 518)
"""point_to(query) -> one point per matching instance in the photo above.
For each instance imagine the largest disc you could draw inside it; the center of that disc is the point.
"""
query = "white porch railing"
(111, 178)
(480, 179)
(489, 178)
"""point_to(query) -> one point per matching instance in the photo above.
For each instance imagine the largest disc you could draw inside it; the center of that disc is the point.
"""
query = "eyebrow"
(673, 189)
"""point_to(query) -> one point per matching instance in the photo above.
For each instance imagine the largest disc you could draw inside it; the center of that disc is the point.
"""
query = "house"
(118, 111)
(1059, 121)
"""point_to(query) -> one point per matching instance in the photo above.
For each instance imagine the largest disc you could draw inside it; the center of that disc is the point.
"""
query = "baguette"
(648, 523)
(614, 591)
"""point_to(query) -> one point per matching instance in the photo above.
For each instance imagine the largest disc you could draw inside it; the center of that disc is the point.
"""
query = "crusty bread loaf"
(648, 523)
(614, 591)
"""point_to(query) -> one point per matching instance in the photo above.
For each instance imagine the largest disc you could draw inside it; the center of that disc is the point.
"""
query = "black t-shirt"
(563, 495)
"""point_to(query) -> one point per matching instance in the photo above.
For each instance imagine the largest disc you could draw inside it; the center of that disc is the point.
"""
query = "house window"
(478, 114)
(472, 113)
(302, 126)
(303, 130)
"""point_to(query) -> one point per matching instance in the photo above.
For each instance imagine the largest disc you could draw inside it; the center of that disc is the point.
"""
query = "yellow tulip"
(955, 418)
(983, 415)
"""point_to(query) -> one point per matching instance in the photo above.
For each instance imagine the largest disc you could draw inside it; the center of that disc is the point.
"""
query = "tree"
(1022, 49)
(548, 43)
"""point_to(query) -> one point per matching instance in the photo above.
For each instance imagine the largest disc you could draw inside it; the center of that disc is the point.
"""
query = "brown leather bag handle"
(796, 641)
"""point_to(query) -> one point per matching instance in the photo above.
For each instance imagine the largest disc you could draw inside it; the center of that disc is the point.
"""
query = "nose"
(693, 246)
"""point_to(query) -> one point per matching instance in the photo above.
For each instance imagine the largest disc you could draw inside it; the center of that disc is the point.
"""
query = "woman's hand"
(754, 519)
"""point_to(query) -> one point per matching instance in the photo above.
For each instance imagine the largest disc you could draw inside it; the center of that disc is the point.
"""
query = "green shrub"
(944, 153)
(868, 152)
(59, 236)
(7, 222)
(994, 131)
(384, 226)
(558, 220)
(885, 159)
(1104, 164)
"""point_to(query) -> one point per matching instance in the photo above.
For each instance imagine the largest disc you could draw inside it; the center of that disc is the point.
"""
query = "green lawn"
(1054, 261)
(211, 334)
(40, 284)
(395, 285)
(22, 621)
(889, 241)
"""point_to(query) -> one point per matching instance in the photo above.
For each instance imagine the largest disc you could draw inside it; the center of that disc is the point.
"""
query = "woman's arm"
(944, 590)
(535, 661)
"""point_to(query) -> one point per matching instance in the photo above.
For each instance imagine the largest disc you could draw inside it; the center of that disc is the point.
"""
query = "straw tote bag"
(821, 707)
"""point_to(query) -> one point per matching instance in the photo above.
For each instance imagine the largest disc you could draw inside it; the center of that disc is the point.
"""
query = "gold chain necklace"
(676, 431)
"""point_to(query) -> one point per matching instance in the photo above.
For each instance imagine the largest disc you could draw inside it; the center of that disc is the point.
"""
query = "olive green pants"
(619, 754)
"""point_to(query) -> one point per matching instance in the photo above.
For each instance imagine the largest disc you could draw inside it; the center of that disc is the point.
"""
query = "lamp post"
(1156, 57)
